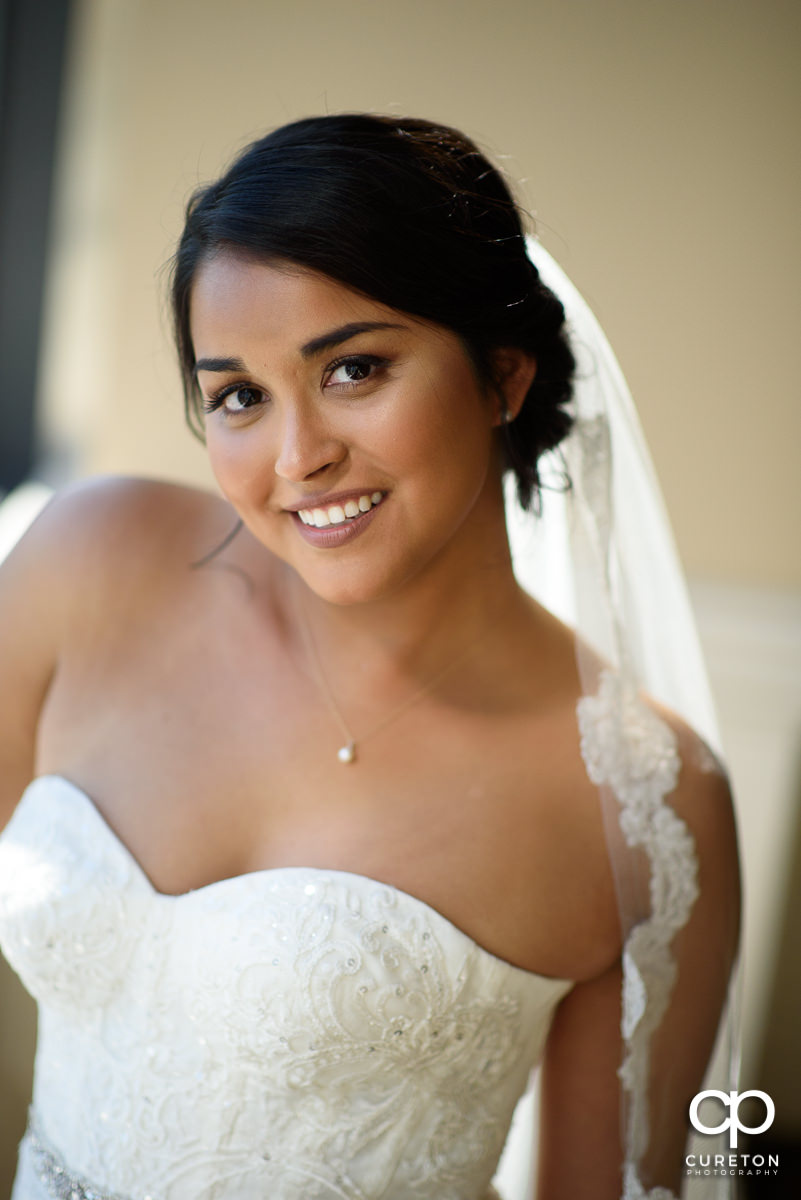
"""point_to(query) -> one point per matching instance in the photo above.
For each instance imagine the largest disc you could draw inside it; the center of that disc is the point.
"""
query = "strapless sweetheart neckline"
(293, 1032)
(250, 878)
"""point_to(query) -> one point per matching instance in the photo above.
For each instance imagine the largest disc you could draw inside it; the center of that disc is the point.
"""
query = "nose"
(308, 445)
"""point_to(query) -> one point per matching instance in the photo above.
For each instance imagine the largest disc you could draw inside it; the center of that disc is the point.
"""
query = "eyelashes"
(237, 398)
(362, 364)
(252, 397)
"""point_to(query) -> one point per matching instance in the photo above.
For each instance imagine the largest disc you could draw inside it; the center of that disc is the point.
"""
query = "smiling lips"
(334, 525)
(340, 514)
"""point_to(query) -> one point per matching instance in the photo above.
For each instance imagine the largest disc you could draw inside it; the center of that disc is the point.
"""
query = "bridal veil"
(600, 555)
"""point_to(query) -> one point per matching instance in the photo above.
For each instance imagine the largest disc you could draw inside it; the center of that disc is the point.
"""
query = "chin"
(344, 587)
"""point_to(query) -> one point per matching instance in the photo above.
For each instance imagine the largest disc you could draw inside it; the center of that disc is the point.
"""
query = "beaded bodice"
(291, 1033)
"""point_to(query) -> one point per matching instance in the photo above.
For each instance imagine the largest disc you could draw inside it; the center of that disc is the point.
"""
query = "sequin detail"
(53, 1173)
(267, 1035)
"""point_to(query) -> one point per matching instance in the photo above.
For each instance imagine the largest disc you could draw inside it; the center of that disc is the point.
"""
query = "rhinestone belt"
(60, 1183)
(54, 1174)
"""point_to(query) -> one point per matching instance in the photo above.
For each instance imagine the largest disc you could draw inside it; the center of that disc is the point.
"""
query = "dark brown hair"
(409, 213)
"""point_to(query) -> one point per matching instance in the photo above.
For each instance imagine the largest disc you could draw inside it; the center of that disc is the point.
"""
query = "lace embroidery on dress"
(630, 750)
(634, 1190)
(293, 1033)
(60, 1183)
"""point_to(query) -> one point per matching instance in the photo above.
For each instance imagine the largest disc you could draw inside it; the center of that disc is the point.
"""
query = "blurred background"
(655, 142)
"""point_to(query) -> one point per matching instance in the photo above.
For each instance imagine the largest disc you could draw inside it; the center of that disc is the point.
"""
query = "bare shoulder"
(94, 552)
(125, 534)
(126, 546)
(695, 787)
(85, 509)
(575, 750)
(702, 796)
(703, 800)
(117, 518)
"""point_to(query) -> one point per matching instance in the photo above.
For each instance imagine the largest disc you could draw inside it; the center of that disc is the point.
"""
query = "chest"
(211, 752)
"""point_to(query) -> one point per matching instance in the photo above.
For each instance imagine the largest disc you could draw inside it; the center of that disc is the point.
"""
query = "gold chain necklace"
(346, 754)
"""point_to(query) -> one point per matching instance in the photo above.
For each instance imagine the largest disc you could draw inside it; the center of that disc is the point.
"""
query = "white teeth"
(337, 513)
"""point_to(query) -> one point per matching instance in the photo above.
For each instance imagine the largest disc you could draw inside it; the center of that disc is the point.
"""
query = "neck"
(460, 598)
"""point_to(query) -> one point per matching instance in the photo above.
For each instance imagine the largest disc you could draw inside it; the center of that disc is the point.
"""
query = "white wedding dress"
(293, 1033)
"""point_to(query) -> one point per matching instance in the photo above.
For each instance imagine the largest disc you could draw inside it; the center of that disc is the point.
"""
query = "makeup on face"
(345, 435)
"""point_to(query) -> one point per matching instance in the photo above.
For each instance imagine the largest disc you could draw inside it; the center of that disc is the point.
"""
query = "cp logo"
(732, 1101)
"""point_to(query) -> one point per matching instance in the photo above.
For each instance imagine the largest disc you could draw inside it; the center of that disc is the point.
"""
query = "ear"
(514, 370)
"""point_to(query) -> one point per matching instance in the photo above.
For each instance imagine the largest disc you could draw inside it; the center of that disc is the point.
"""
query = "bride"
(330, 831)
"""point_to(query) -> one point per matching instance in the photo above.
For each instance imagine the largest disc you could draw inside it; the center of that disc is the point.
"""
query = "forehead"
(237, 297)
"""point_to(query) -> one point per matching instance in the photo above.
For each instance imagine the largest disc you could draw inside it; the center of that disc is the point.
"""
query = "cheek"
(439, 417)
(242, 472)
(449, 438)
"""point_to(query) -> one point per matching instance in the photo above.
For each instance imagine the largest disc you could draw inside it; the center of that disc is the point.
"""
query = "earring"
(506, 416)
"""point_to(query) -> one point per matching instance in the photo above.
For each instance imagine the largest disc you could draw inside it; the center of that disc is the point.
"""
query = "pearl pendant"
(347, 754)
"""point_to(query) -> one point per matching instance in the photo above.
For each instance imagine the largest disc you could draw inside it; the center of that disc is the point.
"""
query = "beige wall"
(655, 139)
(656, 142)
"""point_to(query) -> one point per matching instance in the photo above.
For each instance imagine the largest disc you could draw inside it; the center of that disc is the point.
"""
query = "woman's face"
(354, 441)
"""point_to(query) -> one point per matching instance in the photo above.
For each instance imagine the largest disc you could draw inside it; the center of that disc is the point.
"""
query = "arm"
(581, 1132)
(32, 612)
(94, 562)
(82, 563)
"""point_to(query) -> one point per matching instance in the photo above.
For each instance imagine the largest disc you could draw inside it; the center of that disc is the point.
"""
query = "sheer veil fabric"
(601, 557)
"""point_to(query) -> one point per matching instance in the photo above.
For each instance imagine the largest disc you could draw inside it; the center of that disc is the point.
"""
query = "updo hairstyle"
(409, 213)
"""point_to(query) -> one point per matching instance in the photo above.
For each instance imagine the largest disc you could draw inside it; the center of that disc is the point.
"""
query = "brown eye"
(241, 398)
(354, 370)
(235, 399)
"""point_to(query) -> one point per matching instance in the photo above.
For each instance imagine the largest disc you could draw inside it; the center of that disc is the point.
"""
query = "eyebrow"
(326, 341)
(335, 337)
(218, 364)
